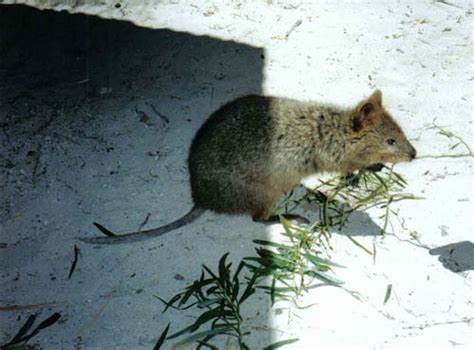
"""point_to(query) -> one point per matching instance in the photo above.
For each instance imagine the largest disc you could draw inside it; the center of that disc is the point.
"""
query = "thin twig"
(466, 320)
(464, 155)
(293, 27)
(74, 262)
(20, 307)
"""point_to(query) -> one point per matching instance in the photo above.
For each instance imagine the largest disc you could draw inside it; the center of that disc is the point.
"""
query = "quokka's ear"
(368, 111)
(376, 98)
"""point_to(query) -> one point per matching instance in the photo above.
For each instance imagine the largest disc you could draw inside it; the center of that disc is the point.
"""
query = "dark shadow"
(361, 224)
(96, 119)
(44, 50)
(457, 257)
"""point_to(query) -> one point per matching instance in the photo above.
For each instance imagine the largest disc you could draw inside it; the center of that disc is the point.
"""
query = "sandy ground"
(98, 111)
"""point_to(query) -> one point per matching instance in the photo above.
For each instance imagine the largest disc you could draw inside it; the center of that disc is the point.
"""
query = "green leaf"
(382, 181)
(286, 225)
(280, 343)
(209, 302)
(195, 287)
(324, 277)
(249, 290)
(400, 178)
(360, 245)
(160, 341)
(204, 342)
(320, 261)
(272, 244)
(211, 314)
(212, 290)
(43, 324)
(198, 284)
(282, 261)
(202, 319)
(304, 307)
(189, 292)
(205, 317)
(253, 258)
(239, 269)
(188, 329)
(170, 303)
(23, 330)
(272, 291)
(388, 293)
(202, 334)
(48, 322)
(235, 288)
(277, 289)
(213, 275)
(223, 272)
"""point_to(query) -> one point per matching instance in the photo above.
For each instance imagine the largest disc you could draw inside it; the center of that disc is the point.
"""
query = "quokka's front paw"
(375, 167)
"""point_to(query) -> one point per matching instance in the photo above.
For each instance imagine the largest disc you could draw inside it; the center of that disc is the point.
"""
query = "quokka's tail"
(132, 237)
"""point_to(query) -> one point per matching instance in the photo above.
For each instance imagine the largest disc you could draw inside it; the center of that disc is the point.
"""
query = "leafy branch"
(283, 270)
(291, 266)
(457, 141)
(220, 295)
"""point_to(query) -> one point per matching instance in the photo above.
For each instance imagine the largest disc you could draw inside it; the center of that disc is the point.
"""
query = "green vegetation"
(284, 269)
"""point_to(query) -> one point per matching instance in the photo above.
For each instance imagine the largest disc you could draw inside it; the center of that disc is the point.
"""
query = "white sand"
(419, 53)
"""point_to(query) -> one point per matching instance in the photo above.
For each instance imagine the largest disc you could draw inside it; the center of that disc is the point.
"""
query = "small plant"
(220, 295)
(19, 340)
(457, 140)
(291, 266)
(340, 196)
(283, 270)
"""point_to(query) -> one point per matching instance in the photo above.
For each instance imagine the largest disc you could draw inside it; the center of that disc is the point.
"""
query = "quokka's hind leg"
(261, 215)
(265, 212)
(263, 207)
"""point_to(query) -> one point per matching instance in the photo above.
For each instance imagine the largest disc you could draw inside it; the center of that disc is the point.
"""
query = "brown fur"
(255, 148)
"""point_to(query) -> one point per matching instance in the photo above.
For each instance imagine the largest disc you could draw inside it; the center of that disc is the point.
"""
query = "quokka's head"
(376, 136)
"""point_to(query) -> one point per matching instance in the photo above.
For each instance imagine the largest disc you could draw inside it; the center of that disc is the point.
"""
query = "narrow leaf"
(235, 288)
(209, 302)
(169, 303)
(48, 322)
(202, 334)
(205, 317)
(320, 261)
(324, 277)
(249, 290)
(23, 330)
(286, 225)
(74, 263)
(204, 342)
(280, 343)
(360, 245)
(44, 324)
(388, 293)
(239, 269)
(105, 231)
(272, 291)
(162, 338)
(208, 270)
(223, 272)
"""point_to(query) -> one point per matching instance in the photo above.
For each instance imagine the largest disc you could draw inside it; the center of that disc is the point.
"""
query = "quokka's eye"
(391, 142)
